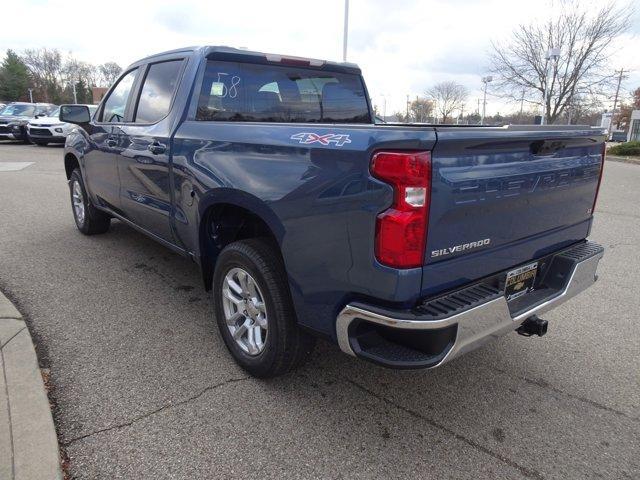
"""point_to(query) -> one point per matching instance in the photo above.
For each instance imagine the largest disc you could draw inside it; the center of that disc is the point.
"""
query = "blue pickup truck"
(406, 244)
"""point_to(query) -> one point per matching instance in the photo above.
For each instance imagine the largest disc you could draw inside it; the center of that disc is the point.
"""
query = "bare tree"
(448, 97)
(420, 110)
(110, 72)
(582, 109)
(585, 40)
(77, 70)
(46, 68)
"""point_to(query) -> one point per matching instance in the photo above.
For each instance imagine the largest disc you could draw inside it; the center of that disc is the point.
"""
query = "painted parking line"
(14, 166)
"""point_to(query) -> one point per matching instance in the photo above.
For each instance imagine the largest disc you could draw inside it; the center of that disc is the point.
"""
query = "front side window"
(114, 107)
(157, 91)
(272, 93)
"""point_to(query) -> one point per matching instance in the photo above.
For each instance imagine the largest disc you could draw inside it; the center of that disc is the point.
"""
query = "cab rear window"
(247, 92)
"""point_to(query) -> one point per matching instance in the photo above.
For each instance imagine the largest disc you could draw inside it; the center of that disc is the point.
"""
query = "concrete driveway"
(144, 388)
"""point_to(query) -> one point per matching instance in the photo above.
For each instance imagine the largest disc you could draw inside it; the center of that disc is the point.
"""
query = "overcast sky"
(402, 46)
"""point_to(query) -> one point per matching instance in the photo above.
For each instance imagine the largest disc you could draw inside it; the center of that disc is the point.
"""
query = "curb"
(28, 442)
(616, 158)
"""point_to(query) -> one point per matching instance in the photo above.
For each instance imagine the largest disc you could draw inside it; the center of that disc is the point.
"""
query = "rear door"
(101, 174)
(501, 196)
(143, 162)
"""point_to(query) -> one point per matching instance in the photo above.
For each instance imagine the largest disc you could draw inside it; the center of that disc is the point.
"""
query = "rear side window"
(157, 91)
(114, 107)
(247, 92)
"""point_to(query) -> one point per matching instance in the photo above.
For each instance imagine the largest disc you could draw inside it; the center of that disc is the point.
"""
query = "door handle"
(157, 148)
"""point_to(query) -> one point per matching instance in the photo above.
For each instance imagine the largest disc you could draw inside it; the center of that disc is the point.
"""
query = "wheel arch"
(228, 215)
(71, 162)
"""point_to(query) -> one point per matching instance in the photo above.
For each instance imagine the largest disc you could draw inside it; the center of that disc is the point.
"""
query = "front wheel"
(89, 219)
(254, 310)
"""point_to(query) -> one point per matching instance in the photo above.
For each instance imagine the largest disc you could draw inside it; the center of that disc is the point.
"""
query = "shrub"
(627, 148)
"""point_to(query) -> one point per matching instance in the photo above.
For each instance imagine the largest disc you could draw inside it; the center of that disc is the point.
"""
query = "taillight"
(595, 200)
(401, 230)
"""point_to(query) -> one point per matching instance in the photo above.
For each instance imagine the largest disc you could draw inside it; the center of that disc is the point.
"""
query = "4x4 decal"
(307, 138)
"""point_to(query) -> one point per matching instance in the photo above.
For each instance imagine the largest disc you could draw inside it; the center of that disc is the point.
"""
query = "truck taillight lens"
(595, 200)
(401, 230)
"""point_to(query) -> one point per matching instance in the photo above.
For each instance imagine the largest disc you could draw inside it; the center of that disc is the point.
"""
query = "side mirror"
(78, 114)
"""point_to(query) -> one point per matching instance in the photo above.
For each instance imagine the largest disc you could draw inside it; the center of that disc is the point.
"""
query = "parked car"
(49, 129)
(619, 136)
(15, 116)
(407, 245)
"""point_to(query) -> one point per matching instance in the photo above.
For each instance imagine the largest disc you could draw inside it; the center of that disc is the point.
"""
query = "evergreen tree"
(14, 77)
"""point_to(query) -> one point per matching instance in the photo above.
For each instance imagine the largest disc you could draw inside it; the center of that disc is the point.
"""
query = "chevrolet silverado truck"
(407, 245)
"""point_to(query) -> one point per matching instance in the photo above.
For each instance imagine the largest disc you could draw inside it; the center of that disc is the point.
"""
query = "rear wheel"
(89, 219)
(254, 310)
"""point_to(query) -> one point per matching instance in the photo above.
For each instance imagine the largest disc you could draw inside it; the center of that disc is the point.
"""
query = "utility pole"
(75, 95)
(462, 113)
(384, 108)
(346, 30)
(615, 101)
(31, 95)
(522, 101)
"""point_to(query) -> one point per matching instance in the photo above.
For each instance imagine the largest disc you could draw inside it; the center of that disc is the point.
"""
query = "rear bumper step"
(440, 329)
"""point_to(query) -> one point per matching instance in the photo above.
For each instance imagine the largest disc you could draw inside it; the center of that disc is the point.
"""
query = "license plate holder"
(520, 281)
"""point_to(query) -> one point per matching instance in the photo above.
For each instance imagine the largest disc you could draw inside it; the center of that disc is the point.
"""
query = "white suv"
(50, 129)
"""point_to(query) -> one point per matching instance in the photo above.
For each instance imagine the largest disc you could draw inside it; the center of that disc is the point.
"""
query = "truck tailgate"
(501, 196)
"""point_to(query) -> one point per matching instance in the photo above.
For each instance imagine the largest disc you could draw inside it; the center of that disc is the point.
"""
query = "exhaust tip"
(533, 326)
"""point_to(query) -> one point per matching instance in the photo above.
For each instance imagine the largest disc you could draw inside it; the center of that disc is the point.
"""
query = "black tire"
(286, 346)
(93, 221)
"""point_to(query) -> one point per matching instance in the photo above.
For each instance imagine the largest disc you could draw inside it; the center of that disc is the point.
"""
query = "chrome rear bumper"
(476, 325)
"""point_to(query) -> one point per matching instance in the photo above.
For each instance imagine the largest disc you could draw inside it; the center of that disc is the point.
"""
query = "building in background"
(634, 127)
(97, 93)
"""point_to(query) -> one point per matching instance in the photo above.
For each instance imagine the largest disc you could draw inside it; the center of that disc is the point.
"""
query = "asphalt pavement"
(144, 388)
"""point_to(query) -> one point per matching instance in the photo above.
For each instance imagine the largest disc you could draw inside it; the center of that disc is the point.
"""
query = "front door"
(101, 173)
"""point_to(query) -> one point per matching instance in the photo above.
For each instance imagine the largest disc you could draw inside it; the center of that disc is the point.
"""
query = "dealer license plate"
(520, 281)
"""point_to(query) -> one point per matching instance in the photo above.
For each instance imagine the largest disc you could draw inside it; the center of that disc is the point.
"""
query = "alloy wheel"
(245, 311)
(78, 202)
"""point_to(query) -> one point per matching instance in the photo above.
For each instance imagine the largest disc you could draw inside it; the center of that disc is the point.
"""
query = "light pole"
(346, 30)
(31, 95)
(384, 107)
(486, 81)
(553, 54)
